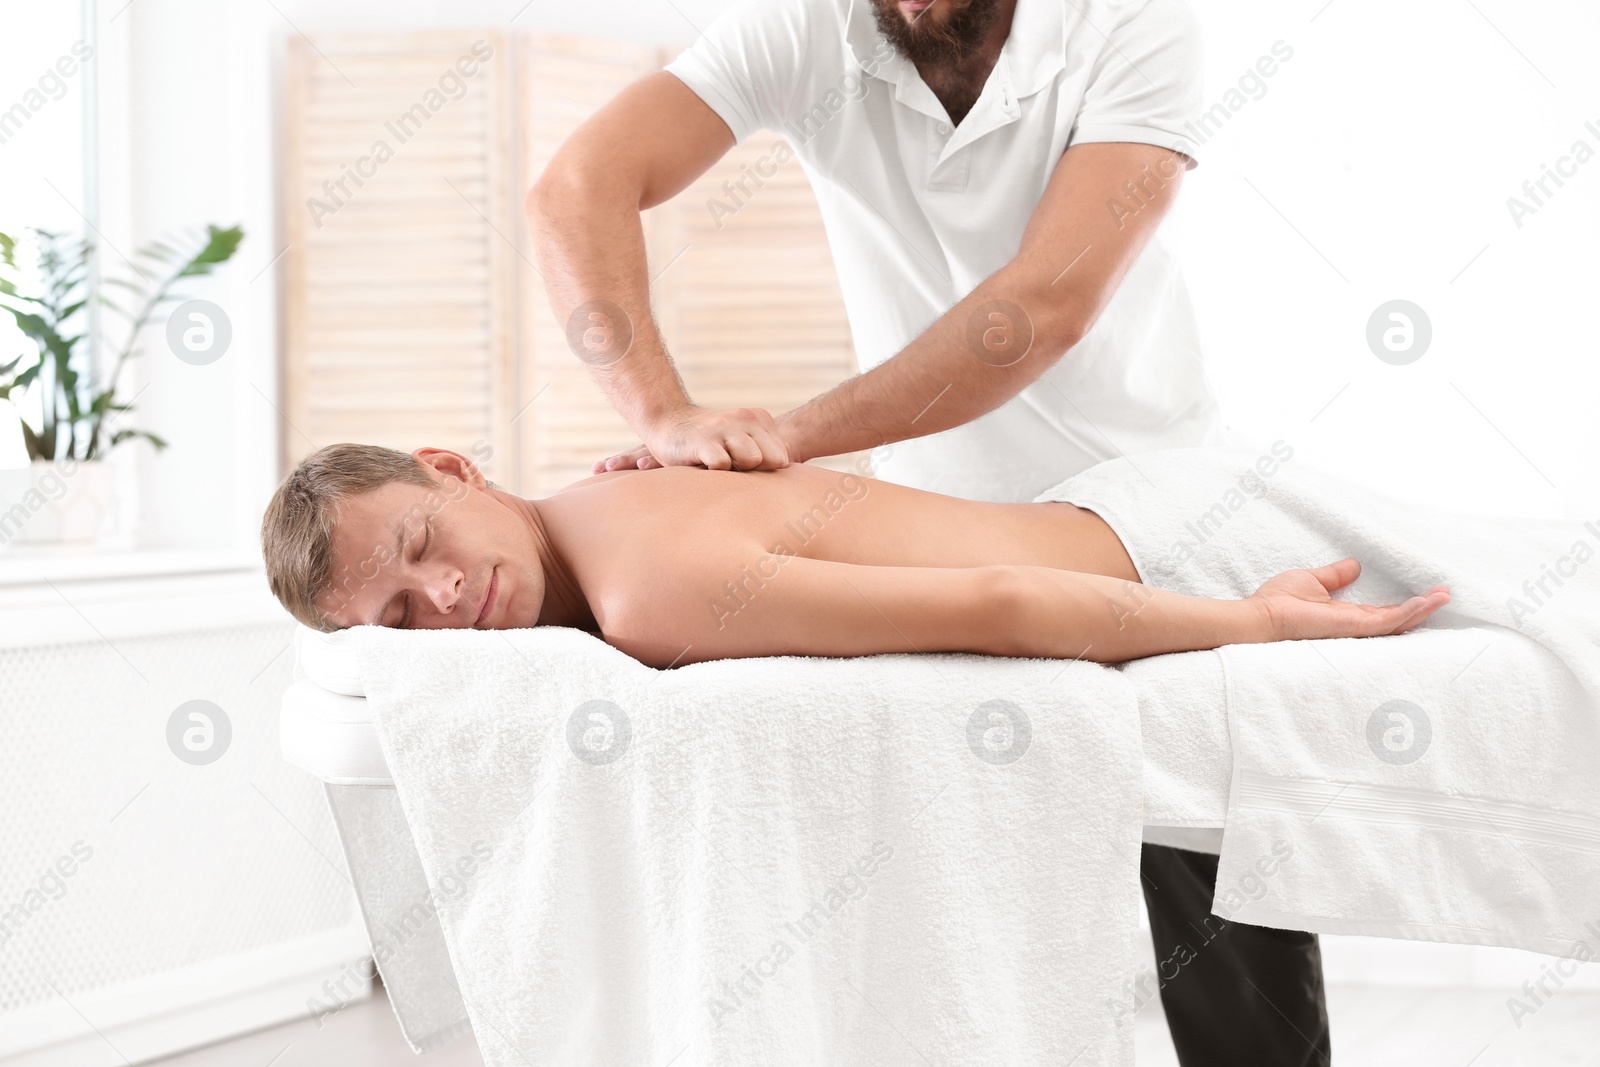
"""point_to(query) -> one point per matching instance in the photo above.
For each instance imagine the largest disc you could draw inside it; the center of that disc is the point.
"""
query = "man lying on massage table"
(675, 565)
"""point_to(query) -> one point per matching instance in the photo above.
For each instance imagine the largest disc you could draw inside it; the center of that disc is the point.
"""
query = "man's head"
(363, 534)
(935, 31)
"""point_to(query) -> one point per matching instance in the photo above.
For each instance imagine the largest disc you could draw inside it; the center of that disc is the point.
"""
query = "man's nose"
(444, 589)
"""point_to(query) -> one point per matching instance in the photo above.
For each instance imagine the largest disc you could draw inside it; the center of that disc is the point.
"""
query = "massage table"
(326, 729)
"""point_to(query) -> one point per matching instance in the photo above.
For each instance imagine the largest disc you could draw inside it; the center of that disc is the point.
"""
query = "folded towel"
(1188, 760)
(1452, 796)
(889, 859)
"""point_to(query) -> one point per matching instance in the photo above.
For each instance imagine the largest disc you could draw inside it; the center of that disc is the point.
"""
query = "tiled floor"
(1372, 1027)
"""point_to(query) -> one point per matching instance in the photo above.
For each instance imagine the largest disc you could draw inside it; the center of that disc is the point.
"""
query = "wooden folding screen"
(399, 206)
(414, 310)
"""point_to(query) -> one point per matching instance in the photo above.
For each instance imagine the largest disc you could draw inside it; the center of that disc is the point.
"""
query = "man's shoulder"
(821, 27)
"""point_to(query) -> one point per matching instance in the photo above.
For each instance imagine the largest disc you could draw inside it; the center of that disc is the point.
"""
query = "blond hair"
(297, 529)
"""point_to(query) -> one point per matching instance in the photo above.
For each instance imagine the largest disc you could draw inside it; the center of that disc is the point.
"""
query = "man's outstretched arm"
(643, 147)
(796, 606)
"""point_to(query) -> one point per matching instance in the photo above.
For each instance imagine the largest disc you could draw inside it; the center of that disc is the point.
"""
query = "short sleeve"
(748, 63)
(1147, 83)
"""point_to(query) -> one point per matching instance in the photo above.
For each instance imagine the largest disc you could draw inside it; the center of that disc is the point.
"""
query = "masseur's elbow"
(1059, 323)
(1053, 318)
(571, 189)
(552, 197)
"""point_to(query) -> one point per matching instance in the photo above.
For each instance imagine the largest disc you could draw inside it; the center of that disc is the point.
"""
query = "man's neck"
(564, 602)
(958, 84)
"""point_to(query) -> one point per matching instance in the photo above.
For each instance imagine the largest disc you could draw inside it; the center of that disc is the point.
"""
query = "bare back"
(689, 532)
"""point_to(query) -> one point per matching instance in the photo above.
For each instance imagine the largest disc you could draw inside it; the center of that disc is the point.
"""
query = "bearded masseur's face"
(935, 31)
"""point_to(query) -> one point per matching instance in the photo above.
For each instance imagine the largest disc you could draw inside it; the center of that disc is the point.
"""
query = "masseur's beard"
(930, 41)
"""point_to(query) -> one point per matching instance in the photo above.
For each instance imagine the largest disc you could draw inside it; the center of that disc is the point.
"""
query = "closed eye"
(427, 539)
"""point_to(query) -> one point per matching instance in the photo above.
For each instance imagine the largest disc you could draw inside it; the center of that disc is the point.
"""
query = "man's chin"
(936, 34)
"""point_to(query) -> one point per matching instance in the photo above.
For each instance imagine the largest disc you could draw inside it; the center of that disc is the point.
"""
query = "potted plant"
(63, 494)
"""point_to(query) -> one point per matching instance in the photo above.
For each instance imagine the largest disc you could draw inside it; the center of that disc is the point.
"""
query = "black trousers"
(1234, 995)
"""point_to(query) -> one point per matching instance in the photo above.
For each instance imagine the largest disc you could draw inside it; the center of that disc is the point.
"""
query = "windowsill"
(49, 596)
(30, 565)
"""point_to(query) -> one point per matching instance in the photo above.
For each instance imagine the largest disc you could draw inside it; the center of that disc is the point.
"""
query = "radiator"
(164, 882)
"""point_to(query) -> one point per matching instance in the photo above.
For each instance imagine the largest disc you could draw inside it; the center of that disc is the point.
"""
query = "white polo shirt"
(918, 211)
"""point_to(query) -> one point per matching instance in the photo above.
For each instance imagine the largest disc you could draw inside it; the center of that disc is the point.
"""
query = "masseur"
(991, 174)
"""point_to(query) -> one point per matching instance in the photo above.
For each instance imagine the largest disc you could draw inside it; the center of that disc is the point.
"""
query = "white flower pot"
(61, 502)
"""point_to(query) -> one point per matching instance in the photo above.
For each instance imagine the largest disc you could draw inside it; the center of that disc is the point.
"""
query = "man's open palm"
(1299, 605)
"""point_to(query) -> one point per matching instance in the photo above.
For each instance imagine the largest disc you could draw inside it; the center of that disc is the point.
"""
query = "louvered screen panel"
(562, 81)
(398, 311)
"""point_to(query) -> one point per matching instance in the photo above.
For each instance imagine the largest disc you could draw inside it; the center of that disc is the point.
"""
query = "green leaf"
(219, 249)
(11, 290)
(27, 321)
(122, 435)
(107, 302)
(33, 444)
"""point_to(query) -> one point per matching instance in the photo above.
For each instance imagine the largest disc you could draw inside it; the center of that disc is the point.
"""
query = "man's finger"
(622, 460)
(742, 449)
(713, 457)
(774, 453)
(1339, 573)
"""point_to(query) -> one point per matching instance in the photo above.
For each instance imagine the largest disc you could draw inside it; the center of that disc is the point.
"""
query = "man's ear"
(452, 464)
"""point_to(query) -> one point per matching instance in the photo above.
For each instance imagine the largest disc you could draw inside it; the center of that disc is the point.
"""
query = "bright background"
(1375, 166)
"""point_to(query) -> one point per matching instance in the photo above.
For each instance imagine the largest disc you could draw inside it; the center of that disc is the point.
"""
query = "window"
(47, 134)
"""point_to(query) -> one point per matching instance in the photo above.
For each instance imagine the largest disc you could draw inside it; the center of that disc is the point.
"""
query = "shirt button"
(943, 129)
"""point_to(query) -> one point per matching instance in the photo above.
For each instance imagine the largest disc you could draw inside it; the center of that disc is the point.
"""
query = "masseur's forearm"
(1073, 615)
(959, 368)
(592, 252)
(1080, 242)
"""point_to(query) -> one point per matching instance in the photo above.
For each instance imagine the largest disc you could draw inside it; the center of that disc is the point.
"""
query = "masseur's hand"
(715, 438)
(1298, 606)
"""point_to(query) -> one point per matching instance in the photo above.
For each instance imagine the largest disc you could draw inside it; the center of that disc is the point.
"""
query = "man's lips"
(489, 596)
(916, 5)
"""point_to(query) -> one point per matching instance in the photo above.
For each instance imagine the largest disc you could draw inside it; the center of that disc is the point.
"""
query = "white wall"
(1390, 142)
(641, 21)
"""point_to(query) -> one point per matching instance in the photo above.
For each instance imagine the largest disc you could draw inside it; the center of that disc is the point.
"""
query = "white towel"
(1451, 794)
(882, 860)
(1184, 726)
